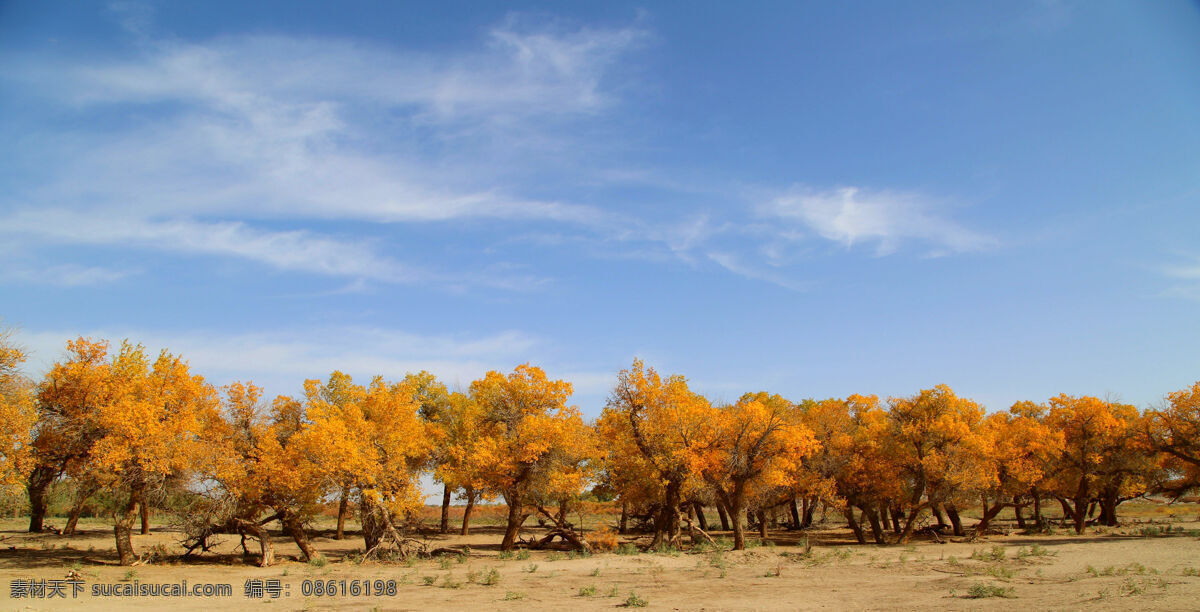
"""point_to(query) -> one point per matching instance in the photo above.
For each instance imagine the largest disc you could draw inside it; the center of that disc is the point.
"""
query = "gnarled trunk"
(294, 527)
(343, 510)
(39, 480)
(955, 521)
(666, 522)
(876, 528)
(989, 512)
(372, 526)
(466, 522)
(516, 518)
(700, 518)
(266, 549)
(810, 508)
(123, 527)
(736, 512)
(937, 514)
(795, 510)
(81, 497)
(144, 510)
(444, 526)
(848, 512)
(911, 522)
(762, 524)
(723, 514)
(1109, 500)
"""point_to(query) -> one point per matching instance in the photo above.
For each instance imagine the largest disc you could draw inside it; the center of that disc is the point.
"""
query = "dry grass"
(1149, 562)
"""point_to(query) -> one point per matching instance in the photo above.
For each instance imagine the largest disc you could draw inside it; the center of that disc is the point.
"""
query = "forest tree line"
(146, 429)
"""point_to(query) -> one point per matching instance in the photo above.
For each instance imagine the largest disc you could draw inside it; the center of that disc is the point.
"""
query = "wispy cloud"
(65, 275)
(853, 216)
(735, 264)
(287, 250)
(1189, 270)
(237, 130)
(274, 125)
(1185, 277)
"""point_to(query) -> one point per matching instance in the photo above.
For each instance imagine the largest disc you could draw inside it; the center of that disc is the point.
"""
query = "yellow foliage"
(17, 414)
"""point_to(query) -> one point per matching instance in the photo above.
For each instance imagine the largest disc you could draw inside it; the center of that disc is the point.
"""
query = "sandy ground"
(1117, 568)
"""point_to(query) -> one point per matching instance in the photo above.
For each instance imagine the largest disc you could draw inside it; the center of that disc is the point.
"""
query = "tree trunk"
(1038, 521)
(516, 518)
(39, 480)
(810, 507)
(897, 514)
(989, 513)
(955, 521)
(266, 549)
(144, 509)
(466, 523)
(795, 510)
(762, 524)
(343, 510)
(294, 527)
(723, 515)
(736, 514)
(937, 513)
(123, 527)
(666, 525)
(623, 526)
(854, 526)
(1017, 511)
(1109, 500)
(1080, 516)
(1077, 514)
(911, 522)
(81, 497)
(73, 520)
(372, 527)
(876, 528)
(444, 527)
(700, 518)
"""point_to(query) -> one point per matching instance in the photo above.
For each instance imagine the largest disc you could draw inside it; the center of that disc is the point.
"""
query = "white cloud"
(65, 275)
(235, 130)
(734, 264)
(853, 216)
(288, 250)
(1190, 271)
(283, 126)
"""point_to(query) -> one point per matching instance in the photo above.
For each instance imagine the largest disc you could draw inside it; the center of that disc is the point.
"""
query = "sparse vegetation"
(983, 591)
(996, 553)
(634, 601)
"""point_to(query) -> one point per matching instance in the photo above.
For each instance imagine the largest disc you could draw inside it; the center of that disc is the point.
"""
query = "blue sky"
(814, 199)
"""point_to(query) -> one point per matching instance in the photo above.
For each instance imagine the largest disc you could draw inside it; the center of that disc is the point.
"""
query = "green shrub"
(983, 591)
(995, 554)
(491, 578)
(633, 601)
